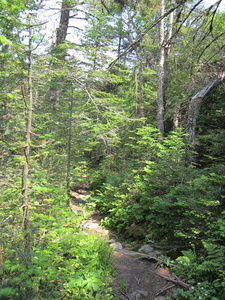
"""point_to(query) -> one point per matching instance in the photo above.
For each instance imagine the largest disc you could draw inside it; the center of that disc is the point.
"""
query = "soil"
(135, 278)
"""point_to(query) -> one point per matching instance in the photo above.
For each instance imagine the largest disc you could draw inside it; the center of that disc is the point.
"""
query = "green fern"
(214, 259)
(188, 257)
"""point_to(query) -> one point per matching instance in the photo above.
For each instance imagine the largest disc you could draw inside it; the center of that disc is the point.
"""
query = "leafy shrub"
(174, 203)
(202, 291)
(62, 261)
(208, 264)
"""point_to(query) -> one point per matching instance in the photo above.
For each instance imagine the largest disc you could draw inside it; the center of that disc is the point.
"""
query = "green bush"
(62, 262)
(175, 203)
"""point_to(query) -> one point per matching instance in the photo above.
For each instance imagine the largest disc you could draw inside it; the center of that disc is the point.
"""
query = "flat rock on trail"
(135, 278)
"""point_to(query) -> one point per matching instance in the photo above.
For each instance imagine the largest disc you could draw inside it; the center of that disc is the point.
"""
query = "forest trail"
(136, 277)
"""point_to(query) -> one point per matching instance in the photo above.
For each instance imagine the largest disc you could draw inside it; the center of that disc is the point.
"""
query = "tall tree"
(58, 51)
(161, 71)
(62, 29)
(25, 174)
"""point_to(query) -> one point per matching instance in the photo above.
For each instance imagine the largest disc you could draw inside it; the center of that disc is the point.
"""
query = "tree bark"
(194, 106)
(161, 73)
(170, 30)
(26, 217)
(60, 54)
(70, 108)
(61, 31)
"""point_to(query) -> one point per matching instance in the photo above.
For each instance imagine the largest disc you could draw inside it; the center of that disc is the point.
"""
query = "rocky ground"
(139, 274)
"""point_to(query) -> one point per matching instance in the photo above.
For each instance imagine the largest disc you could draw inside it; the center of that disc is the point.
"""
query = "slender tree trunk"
(4, 107)
(177, 116)
(60, 54)
(136, 94)
(161, 73)
(69, 146)
(167, 55)
(26, 218)
(170, 31)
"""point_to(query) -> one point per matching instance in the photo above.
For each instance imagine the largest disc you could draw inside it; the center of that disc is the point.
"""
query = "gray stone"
(116, 246)
(91, 225)
(138, 295)
(131, 253)
(160, 298)
(146, 249)
(143, 293)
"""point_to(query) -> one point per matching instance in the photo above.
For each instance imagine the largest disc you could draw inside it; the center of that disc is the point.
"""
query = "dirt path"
(136, 278)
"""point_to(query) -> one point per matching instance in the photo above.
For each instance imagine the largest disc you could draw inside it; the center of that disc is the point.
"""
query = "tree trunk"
(60, 54)
(26, 218)
(170, 30)
(69, 146)
(61, 31)
(161, 73)
(194, 106)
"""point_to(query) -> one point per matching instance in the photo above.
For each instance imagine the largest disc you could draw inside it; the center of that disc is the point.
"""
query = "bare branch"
(132, 45)
(181, 283)
(167, 287)
(209, 44)
(184, 20)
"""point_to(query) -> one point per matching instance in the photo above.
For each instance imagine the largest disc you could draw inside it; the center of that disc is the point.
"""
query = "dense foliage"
(162, 198)
(63, 263)
(93, 89)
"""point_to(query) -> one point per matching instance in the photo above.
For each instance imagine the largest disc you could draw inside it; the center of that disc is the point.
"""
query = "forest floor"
(136, 277)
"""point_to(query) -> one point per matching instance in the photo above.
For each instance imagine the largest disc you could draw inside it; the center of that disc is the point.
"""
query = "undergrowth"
(163, 198)
(62, 262)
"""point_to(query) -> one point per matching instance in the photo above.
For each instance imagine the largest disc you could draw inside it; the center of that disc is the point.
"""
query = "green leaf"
(4, 40)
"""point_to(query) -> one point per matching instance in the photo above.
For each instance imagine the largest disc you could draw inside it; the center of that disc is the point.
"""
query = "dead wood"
(159, 261)
(178, 282)
(139, 39)
(167, 287)
(174, 247)
(194, 106)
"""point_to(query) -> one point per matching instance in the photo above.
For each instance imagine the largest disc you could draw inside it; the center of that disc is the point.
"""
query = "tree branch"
(209, 44)
(132, 45)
